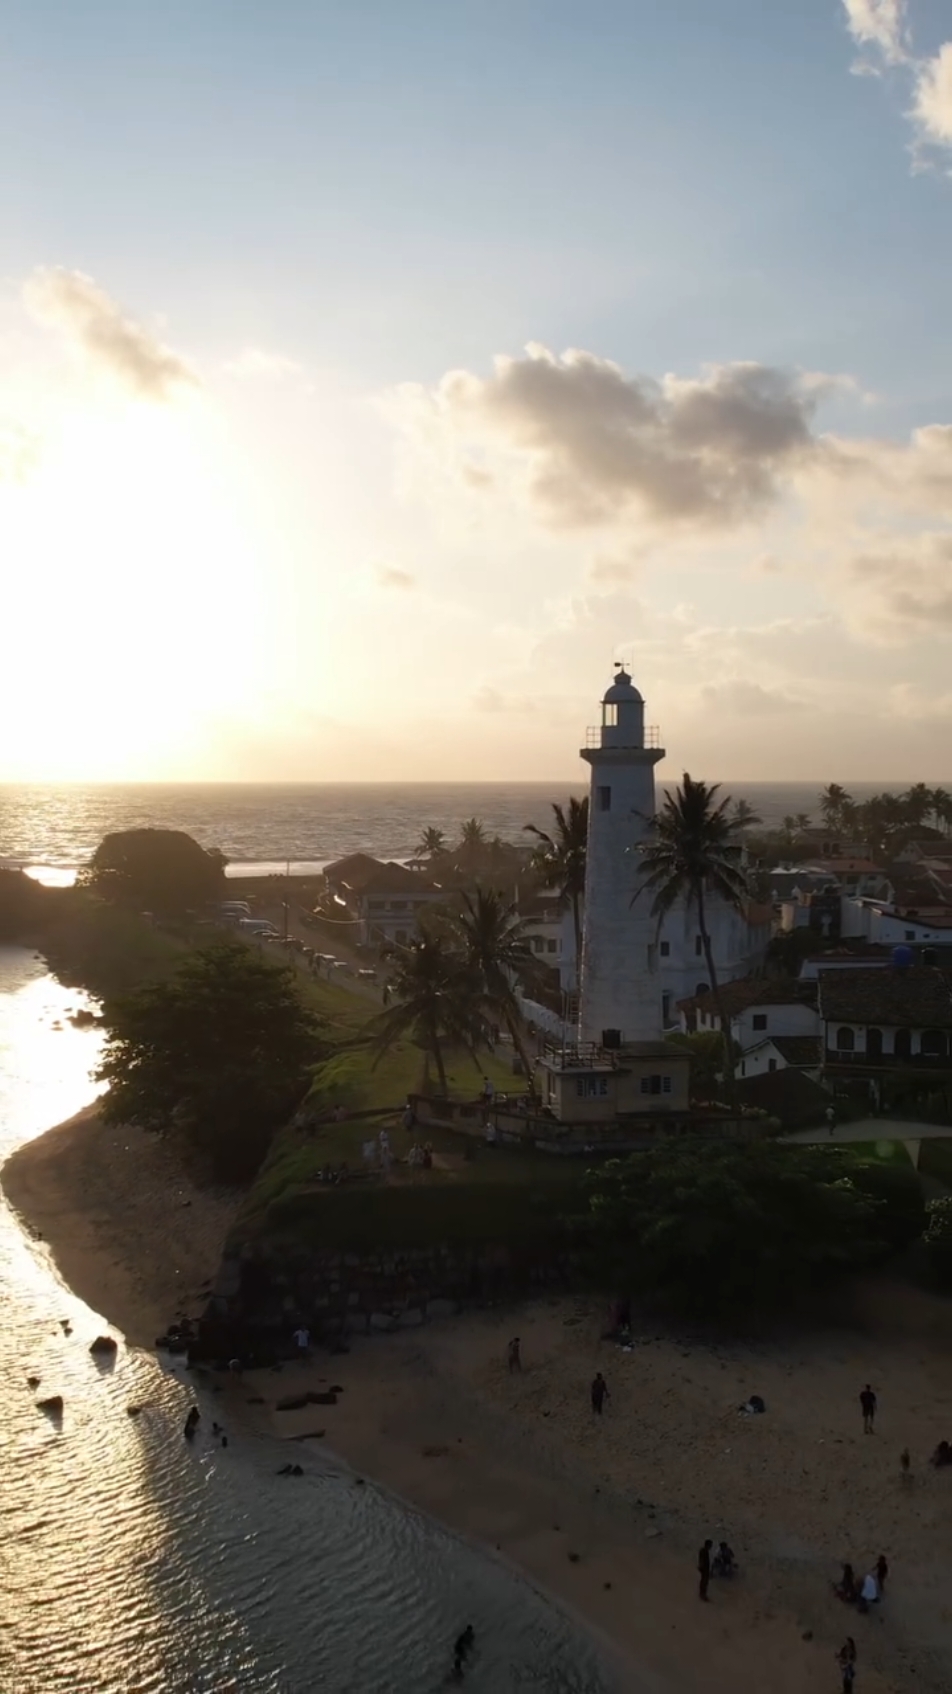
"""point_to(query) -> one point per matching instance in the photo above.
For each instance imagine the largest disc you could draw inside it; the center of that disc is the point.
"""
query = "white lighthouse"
(620, 987)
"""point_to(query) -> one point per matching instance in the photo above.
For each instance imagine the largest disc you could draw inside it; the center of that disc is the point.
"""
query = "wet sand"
(520, 1464)
(130, 1233)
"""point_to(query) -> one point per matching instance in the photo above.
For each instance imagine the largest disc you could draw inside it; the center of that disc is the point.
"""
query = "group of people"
(863, 1594)
(192, 1421)
(711, 1563)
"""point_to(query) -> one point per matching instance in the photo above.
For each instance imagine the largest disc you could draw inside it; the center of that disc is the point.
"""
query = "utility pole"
(287, 895)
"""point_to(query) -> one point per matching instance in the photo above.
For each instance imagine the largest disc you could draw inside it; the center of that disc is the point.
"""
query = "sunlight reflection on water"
(132, 1561)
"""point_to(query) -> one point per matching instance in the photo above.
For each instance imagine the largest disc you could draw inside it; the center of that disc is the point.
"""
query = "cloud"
(494, 700)
(91, 321)
(749, 699)
(609, 571)
(880, 26)
(594, 446)
(254, 362)
(932, 106)
(19, 452)
(908, 588)
(391, 576)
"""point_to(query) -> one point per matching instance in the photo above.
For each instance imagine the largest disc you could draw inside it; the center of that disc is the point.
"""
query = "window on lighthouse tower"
(604, 799)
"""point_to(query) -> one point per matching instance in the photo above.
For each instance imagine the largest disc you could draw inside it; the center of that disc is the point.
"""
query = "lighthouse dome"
(622, 689)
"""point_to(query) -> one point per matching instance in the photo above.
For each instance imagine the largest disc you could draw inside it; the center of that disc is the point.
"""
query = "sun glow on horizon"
(134, 593)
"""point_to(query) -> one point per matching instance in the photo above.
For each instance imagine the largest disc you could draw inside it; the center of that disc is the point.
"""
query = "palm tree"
(917, 802)
(431, 844)
(560, 859)
(802, 822)
(693, 852)
(942, 808)
(472, 845)
(833, 802)
(434, 1001)
(497, 951)
(744, 815)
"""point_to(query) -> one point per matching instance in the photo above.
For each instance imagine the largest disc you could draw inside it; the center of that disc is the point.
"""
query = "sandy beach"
(606, 1514)
(129, 1231)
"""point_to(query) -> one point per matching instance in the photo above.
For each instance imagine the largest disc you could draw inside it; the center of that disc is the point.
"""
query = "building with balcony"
(883, 1021)
(589, 1082)
(382, 901)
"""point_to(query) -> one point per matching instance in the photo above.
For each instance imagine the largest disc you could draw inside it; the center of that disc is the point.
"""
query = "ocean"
(262, 827)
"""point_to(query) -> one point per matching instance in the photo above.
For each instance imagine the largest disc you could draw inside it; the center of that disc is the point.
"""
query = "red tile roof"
(916, 998)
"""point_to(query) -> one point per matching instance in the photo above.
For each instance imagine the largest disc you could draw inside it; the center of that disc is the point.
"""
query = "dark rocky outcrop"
(265, 1287)
(104, 1347)
(52, 1405)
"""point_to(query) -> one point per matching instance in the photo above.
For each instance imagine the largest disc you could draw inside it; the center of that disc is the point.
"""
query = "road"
(875, 1129)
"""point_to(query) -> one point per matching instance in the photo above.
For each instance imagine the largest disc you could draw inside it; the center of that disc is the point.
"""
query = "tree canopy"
(560, 860)
(720, 1227)
(693, 851)
(159, 870)
(435, 1001)
(495, 945)
(221, 1049)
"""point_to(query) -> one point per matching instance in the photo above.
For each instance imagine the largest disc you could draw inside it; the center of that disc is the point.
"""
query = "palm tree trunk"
(518, 1043)
(725, 1023)
(437, 1051)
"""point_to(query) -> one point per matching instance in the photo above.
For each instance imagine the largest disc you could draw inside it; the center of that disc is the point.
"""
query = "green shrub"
(938, 1241)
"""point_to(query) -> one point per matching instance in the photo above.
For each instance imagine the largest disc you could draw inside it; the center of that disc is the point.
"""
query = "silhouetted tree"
(161, 870)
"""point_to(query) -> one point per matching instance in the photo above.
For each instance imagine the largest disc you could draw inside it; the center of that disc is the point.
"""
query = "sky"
(375, 374)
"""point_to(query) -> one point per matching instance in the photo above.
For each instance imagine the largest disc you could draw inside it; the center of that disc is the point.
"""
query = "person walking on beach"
(302, 1341)
(882, 1571)
(704, 1569)
(846, 1659)
(514, 1354)
(462, 1649)
(831, 1118)
(599, 1393)
(867, 1401)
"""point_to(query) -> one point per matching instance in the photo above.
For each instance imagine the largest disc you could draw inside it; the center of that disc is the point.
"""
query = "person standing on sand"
(599, 1393)
(846, 1659)
(867, 1401)
(830, 1118)
(882, 1571)
(302, 1341)
(462, 1649)
(704, 1570)
(514, 1354)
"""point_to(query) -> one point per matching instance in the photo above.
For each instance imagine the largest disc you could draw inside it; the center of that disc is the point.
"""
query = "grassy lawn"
(883, 1152)
(473, 1192)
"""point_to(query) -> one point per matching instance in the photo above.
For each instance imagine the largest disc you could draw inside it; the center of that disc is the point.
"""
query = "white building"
(781, 1053)
(739, 942)
(620, 982)
(757, 1008)
(878, 921)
